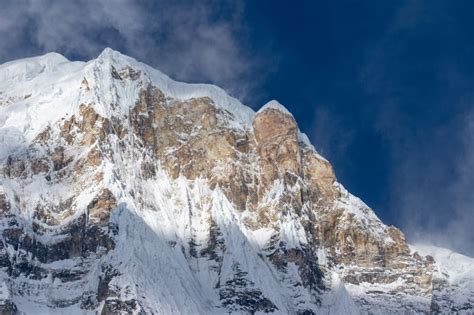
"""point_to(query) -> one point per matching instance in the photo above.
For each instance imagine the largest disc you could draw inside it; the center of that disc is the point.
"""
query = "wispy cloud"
(425, 117)
(332, 134)
(191, 41)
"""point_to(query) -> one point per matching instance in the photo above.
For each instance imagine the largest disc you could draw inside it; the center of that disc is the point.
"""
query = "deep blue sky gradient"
(385, 90)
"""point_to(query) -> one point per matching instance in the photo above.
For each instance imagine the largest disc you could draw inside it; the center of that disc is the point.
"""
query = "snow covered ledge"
(274, 104)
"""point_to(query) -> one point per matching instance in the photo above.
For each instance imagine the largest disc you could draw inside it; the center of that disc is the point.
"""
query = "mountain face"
(123, 191)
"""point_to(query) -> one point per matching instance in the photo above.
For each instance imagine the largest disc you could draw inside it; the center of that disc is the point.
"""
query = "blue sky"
(383, 88)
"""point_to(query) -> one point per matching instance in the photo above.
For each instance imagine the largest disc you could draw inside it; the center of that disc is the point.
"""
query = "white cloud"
(190, 41)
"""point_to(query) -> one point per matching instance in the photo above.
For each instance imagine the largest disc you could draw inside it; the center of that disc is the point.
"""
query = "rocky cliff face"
(126, 192)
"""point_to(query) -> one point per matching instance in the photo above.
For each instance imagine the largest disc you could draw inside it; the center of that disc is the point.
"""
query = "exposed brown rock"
(40, 165)
(193, 139)
(43, 136)
(4, 204)
(85, 85)
(15, 167)
(101, 206)
(277, 144)
(60, 160)
(128, 72)
(320, 175)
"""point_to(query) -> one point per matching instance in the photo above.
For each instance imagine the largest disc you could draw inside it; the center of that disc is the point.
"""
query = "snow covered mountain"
(123, 191)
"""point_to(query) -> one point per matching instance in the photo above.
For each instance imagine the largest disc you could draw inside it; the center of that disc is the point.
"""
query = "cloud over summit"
(198, 42)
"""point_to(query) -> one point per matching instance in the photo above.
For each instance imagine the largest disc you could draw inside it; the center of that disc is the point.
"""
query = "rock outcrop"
(138, 194)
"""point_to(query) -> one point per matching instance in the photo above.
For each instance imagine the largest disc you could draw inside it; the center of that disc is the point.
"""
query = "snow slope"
(454, 272)
(122, 190)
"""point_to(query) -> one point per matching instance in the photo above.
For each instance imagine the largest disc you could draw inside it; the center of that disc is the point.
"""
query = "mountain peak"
(111, 54)
(108, 51)
(50, 58)
(26, 69)
(274, 104)
(125, 191)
